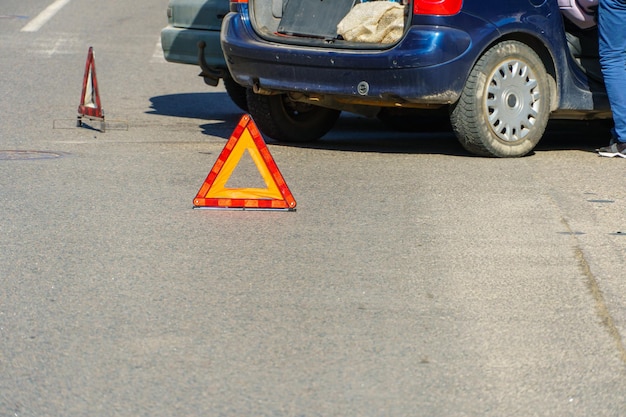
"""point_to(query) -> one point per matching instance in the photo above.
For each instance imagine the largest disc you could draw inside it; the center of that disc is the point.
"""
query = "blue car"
(495, 70)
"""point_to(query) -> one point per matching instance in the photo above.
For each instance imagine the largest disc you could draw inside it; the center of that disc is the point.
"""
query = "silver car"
(192, 37)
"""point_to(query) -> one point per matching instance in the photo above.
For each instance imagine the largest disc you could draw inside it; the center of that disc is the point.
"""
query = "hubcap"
(512, 100)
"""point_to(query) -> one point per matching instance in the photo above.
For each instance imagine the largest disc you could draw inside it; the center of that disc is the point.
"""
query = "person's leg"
(612, 34)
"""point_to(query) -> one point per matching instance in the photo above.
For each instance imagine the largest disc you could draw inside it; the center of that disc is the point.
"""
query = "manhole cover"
(23, 155)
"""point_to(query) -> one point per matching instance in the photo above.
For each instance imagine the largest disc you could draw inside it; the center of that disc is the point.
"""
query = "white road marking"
(157, 56)
(59, 45)
(43, 17)
(55, 43)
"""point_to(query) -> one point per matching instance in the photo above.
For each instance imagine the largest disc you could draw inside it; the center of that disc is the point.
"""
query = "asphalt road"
(413, 279)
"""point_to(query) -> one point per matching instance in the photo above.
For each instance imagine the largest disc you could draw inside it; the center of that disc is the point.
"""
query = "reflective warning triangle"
(90, 98)
(215, 194)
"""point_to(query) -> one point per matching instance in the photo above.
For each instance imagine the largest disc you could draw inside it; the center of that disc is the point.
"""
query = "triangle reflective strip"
(88, 100)
(214, 193)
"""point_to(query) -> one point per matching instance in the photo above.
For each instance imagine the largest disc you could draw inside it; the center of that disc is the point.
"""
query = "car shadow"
(214, 106)
(575, 135)
(360, 134)
(354, 133)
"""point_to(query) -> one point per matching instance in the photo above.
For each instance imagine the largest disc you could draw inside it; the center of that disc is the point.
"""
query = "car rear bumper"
(180, 45)
(427, 66)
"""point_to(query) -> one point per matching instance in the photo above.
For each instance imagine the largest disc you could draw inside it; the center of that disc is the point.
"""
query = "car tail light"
(438, 7)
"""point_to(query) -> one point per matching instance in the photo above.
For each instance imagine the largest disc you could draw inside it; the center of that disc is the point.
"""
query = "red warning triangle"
(215, 194)
(90, 98)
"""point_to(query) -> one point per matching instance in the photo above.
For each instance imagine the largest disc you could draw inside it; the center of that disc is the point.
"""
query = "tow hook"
(211, 75)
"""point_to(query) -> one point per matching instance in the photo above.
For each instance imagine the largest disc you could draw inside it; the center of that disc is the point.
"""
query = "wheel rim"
(296, 110)
(512, 101)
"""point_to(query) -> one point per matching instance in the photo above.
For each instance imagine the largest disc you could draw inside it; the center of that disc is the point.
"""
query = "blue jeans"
(612, 33)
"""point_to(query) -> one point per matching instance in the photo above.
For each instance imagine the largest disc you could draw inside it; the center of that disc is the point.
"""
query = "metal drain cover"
(29, 155)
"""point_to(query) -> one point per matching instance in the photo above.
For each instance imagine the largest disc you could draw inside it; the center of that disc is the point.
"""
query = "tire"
(288, 121)
(236, 92)
(505, 105)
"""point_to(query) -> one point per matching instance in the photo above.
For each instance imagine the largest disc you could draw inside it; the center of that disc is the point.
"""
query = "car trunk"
(198, 14)
(331, 22)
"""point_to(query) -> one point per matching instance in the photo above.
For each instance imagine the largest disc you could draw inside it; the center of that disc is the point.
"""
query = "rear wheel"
(286, 120)
(505, 105)
(236, 92)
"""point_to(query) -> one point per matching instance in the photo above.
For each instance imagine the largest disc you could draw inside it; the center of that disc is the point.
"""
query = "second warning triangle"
(90, 106)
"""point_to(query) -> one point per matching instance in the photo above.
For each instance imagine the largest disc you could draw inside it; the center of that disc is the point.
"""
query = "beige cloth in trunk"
(373, 21)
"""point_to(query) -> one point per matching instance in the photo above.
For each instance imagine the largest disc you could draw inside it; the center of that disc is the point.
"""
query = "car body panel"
(191, 22)
(198, 14)
(181, 46)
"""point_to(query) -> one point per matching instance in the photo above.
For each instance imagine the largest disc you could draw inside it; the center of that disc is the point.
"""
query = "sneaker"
(615, 149)
(612, 141)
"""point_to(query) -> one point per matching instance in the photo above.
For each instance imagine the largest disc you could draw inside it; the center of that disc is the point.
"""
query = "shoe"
(612, 141)
(615, 149)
